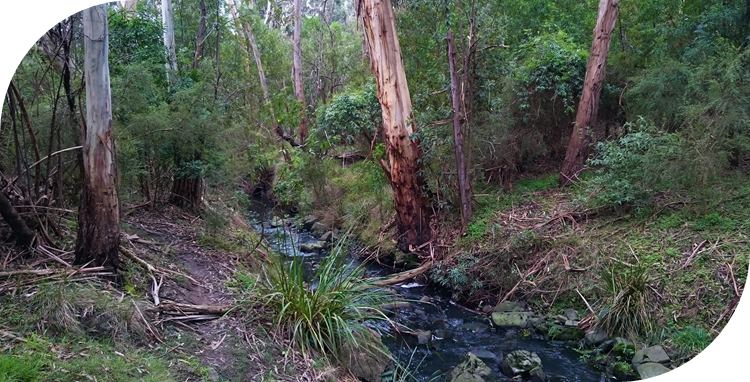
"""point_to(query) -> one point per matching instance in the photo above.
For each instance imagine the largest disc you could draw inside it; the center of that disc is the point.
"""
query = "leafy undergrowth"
(671, 273)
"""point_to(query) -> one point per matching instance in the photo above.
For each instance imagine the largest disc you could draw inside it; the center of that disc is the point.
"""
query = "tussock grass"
(326, 313)
(628, 311)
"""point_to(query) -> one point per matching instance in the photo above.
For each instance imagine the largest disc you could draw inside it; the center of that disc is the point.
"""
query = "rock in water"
(650, 369)
(368, 359)
(328, 236)
(423, 336)
(511, 319)
(655, 354)
(509, 306)
(521, 362)
(595, 336)
(308, 221)
(313, 246)
(472, 369)
(318, 229)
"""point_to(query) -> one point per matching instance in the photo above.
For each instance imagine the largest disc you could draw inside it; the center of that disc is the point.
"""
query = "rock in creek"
(472, 369)
(524, 363)
(595, 336)
(368, 359)
(318, 229)
(655, 354)
(277, 222)
(423, 336)
(565, 333)
(328, 236)
(487, 355)
(651, 369)
(313, 246)
(511, 319)
(510, 306)
(475, 327)
(308, 221)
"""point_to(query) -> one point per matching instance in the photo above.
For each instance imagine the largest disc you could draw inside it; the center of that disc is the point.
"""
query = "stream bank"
(438, 333)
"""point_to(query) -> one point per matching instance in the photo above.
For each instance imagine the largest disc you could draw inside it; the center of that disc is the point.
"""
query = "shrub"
(633, 169)
(327, 313)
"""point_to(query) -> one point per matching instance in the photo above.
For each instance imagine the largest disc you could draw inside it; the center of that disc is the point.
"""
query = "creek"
(454, 330)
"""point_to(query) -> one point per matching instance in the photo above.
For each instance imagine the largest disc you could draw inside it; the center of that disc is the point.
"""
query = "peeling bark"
(402, 167)
(580, 139)
(98, 238)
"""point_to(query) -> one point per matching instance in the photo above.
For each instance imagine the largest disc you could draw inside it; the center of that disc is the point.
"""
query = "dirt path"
(234, 347)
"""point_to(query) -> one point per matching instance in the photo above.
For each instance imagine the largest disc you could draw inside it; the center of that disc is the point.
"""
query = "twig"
(586, 302)
(695, 252)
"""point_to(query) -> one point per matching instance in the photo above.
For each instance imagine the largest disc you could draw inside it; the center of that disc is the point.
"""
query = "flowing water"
(455, 330)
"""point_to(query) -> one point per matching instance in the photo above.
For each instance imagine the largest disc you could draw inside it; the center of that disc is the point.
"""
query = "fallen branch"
(403, 276)
(171, 307)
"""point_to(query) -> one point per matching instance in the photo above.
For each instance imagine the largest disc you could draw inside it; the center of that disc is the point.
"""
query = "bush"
(326, 313)
(633, 169)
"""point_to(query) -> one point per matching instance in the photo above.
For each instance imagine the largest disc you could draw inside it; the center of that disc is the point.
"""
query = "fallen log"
(403, 276)
(171, 307)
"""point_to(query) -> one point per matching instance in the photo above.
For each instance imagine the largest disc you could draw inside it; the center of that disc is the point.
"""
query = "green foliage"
(19, 369)
(691, 340)
(327, 312)
(350, 117)
(644, 162)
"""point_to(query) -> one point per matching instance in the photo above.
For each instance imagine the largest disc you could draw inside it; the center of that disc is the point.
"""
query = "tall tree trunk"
(580, 138)
(201, 35)
(168, 33)
(412, 214)
(464, 184)
(23, 235)
(299, 90)
(99, 214)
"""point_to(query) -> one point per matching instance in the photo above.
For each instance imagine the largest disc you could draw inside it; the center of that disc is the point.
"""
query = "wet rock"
(510, 306)
(571, 314)
(441, 334)
(595, 337)
(313, 246)
(328, 236)
(277, 222)
(472, 369)
(423, 336)
(487, 355)
(368, 359)
(511, 319)
(308, 221)
(521, 362)
(565, 333)
(537, 375)
(651, 369)
(398, 305)
(318, 228)
(653, 354)
(476, 327)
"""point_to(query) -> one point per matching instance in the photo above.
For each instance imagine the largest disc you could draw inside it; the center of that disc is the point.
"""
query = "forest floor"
(53, 328)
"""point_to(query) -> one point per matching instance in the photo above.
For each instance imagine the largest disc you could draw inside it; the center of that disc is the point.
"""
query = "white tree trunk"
(168, 32)
(99, 214)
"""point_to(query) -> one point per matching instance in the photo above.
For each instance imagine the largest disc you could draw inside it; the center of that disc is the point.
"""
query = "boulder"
(368, 359)
(537, 375)
(509, 306)
(595, 336)
(565, 333)
(511, 319)
(308, 221)
(423, 336)
(328, 236)
(487, 355)
(571, 314)
(521, 362)
(472, 369)
(318, 229)
(277, 222)
(313, 246)
(650, 369)
(653, 354)
(475, 326)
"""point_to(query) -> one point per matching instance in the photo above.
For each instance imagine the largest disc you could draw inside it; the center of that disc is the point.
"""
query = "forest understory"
(571, 177)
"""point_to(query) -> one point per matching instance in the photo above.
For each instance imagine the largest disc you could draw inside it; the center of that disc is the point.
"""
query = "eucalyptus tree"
(580, 138)
(403, 154)
(98, 238)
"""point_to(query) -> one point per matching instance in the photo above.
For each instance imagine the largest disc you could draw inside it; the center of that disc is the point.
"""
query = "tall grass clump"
(628, 311)
(328, 312)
